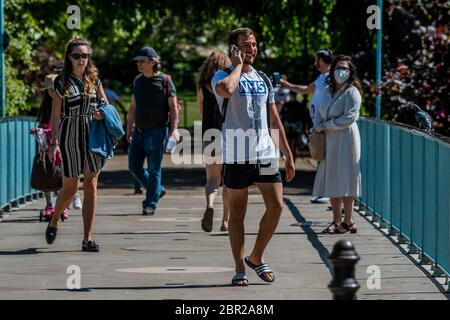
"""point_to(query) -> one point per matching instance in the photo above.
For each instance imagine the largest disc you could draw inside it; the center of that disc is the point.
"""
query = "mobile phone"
(276, 79)
(233, 48)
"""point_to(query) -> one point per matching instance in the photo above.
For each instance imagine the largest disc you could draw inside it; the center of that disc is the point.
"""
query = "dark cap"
(146, 52)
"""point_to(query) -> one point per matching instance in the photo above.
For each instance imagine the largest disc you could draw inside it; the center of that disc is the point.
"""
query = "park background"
(416, 55)
(405, 172)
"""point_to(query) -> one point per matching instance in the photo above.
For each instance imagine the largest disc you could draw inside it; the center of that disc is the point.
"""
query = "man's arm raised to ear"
(227, 86)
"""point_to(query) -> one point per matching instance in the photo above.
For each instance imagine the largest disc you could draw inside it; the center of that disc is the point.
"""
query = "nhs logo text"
(247, 88)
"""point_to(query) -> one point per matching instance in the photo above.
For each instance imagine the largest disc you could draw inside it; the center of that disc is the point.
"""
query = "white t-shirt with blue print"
(246, 119)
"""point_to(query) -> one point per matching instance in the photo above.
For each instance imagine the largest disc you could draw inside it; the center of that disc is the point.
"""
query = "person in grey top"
(339, 176)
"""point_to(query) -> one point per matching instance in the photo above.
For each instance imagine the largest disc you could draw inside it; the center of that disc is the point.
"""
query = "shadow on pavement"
(171, 178)
(20, 252)
(168, 286)
(286, 233)
(188, 178)
(312, 235)
(31, 220)
(34, 251)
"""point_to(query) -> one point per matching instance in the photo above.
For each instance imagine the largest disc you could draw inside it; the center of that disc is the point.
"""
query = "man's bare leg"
(226, 209)
(238, 206)
(273, 198)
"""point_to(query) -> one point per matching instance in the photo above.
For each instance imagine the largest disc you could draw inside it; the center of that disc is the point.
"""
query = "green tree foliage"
(183, 32)
(19, 57)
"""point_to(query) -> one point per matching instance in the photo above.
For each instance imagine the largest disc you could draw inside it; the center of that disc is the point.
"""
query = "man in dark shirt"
(151, 102)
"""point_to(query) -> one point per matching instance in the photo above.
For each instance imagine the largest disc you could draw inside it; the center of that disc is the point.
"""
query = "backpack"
(166, 81)
(266, 81)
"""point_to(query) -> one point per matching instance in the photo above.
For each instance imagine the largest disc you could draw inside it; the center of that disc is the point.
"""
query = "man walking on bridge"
(246, 98)
(154, 96)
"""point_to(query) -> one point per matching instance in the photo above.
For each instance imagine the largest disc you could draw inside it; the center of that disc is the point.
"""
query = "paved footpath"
(168, 256)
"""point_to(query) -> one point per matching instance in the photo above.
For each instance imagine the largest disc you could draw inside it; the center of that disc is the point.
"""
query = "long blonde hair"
(90, 74)
(217, 60)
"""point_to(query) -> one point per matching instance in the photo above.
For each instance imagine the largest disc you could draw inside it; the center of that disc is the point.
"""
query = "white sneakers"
(76, 203)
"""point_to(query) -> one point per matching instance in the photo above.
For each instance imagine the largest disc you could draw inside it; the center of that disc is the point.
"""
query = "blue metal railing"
(406, 186)
(17, 151)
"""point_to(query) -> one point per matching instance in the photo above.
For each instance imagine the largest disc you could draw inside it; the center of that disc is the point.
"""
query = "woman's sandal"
(331, 229)
(262, 270)
(347, 228)
(207, 221)
(50, 233)
(239, 280)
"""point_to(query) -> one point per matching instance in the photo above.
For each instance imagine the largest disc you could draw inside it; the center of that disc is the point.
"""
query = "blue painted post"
(2, 65)
(379, 59)
(386, 177)
(437, 271)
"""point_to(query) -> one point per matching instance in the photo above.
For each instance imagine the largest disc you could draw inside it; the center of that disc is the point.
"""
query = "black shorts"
(241, 176)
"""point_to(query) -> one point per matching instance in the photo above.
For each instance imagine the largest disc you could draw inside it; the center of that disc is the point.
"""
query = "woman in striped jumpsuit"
(78, 90)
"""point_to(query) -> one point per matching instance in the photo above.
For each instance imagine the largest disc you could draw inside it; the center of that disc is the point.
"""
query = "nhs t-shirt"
(245, 131)
(320, 84)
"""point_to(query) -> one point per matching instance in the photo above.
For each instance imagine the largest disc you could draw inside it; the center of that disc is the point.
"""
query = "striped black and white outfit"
(76, 117)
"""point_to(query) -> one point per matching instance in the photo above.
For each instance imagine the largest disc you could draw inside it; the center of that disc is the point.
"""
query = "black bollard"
(344, 258)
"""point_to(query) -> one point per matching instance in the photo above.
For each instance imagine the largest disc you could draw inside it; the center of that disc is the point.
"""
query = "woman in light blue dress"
(339, 176)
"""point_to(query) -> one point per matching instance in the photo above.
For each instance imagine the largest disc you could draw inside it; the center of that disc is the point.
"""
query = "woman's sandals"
(344, 228)
(331, 229)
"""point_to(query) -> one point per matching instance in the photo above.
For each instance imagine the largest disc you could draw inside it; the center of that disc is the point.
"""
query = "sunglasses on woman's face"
(77, 56)
(342, 68)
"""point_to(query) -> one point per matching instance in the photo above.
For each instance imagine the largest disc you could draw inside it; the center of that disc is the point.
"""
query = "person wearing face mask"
(323, 60)
(339, 176)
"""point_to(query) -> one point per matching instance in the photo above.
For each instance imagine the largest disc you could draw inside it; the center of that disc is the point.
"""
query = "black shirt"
(152, 107)
(211, 118)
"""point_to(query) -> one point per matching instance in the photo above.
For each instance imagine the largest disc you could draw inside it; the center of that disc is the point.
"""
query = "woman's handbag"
(317, 140)
(44, 176)
(317, 145)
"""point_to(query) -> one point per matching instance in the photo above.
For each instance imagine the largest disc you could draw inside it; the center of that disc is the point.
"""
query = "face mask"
(341, 75)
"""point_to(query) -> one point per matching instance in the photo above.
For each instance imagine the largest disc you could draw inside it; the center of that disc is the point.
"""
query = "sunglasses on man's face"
(77, 56)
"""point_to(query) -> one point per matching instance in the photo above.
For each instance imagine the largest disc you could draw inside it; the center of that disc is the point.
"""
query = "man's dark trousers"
(150, 144)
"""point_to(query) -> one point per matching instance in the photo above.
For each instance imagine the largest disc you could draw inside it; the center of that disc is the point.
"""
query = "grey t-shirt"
(246, 119)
